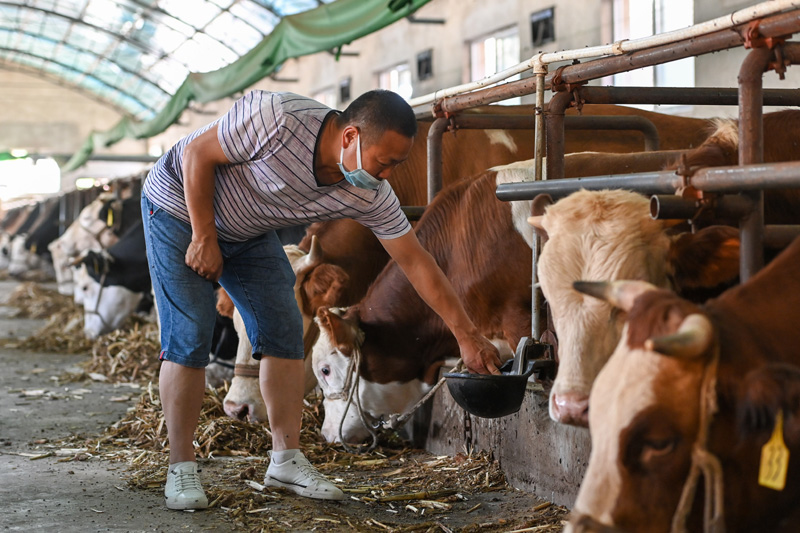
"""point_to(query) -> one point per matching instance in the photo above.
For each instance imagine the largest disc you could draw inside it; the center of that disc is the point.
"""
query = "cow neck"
(96, 310)
(704, 462)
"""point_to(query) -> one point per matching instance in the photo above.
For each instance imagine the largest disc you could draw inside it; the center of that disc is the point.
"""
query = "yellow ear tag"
(774, 458)
(110, 219)
(33, 248)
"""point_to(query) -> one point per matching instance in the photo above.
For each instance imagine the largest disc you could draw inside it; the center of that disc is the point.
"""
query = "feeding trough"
(493, 396)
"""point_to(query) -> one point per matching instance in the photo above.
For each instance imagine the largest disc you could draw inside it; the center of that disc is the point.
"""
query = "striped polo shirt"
(270, 139)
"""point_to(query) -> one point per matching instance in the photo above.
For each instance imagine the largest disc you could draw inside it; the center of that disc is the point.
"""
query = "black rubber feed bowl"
(489, 396)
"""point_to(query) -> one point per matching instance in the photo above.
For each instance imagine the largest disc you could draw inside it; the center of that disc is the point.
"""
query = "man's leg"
(282, 383)
(182, 390)
(185, 303)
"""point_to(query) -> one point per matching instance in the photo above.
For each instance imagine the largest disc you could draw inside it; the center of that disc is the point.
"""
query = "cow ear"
(538, 206)
(342, 332)
(765, 391)
(705, 259)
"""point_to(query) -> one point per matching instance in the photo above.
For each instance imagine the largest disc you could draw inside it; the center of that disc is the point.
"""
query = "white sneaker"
(183, 489)
(298, 476)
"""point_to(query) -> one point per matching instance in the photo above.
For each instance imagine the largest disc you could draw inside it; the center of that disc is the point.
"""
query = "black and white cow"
(98, 226)
(118, 281)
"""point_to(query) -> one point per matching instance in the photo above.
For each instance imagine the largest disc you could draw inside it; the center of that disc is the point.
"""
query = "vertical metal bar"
(62, 214)
(555, 135)
(537, 301)
(751, 150)
(435, 133)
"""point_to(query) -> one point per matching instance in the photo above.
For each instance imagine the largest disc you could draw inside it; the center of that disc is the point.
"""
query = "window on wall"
(633, 19)
(397, 79)
(326, 96)
(344, 90)
(492, 53)
(543, 29)
(425, 65)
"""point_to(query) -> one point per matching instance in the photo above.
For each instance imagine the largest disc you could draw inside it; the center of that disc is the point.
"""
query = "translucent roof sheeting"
(135, 54)
(151, 58)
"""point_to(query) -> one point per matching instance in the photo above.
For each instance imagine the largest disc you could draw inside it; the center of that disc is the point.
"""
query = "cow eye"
(326, 371)
(654, 449)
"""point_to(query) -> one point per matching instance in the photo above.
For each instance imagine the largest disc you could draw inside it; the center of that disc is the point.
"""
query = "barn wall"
(40, 116)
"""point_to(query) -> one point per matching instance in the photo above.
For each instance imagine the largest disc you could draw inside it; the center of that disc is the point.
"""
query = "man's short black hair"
(378, 111)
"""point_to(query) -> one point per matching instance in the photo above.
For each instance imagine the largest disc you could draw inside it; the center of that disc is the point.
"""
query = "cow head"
(22, 259)
(105, 306)
(335, 364)
(610, 235)
(652, 395)
(90, 231)
(648, 410)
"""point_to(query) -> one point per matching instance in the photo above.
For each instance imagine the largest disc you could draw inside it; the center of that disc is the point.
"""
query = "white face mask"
(359, 177)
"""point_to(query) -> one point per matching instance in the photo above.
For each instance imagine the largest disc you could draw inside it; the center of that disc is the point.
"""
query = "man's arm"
(200, 158)
(432, 285)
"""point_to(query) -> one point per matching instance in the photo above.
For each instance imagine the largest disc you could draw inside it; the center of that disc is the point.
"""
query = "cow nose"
(238, 411)
(570, 408)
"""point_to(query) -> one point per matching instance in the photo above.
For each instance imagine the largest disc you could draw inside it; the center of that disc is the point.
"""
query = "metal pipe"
(773, 26)
(732, 206)
(751, 151)
(683, 95)
(435, 133)
(554, 125)
(715, 179)
(645, 183)
(538, 312)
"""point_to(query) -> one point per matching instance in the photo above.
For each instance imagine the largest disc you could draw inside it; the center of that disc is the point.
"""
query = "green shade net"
(324, 28)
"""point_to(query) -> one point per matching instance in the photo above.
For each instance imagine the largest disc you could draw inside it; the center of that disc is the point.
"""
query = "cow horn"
(536, 221)
(693, 338)
(315, 252)
(620, 294)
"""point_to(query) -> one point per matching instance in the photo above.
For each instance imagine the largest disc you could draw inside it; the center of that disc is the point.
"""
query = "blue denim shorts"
(256, 274)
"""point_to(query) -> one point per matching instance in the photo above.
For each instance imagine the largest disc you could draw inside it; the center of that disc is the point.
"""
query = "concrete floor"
(52, 495)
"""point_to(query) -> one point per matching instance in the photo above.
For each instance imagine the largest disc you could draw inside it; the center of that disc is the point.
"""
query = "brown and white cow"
(610, 235)
(474, 239)
(693, 387)
(587, 338)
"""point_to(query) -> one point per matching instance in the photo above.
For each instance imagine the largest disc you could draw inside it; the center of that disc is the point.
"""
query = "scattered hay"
(394, 488)
(128, 354)
(34, 301)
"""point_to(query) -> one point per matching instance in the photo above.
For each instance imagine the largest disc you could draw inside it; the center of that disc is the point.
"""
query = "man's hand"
(204, 257)
(479, 355)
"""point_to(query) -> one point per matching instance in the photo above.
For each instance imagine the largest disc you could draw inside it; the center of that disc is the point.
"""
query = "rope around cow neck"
(396, 420)
(704, 462)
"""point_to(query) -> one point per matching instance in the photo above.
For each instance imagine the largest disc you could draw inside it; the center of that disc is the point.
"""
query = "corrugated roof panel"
(201, 53)
(234, 33)
(197, 14)
(263, 20)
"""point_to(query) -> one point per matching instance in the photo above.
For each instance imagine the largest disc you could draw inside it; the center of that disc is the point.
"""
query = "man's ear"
(349, 135)
(765, 391)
